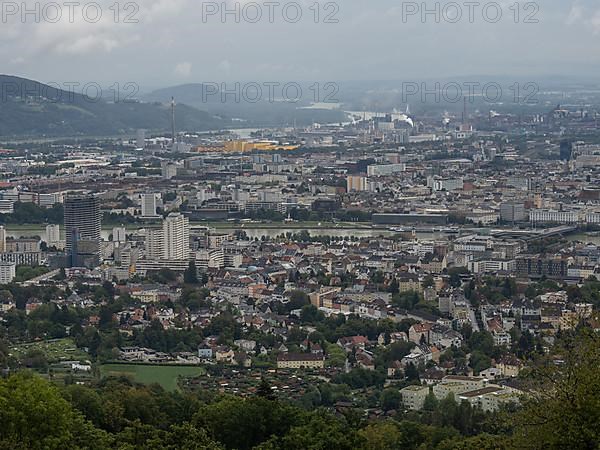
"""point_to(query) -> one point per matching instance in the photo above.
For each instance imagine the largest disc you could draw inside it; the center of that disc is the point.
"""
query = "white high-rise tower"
(176, 237)
(2, 239)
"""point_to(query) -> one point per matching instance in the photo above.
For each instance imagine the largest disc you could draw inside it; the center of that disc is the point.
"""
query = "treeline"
(32, 213)
(116, 413)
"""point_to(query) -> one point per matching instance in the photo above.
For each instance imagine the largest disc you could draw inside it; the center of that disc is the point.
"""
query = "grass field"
(56, 350)
(166, 376)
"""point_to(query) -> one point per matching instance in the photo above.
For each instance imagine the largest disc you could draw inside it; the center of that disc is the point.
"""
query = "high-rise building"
(154, 243)
(176, 237)
(356, 183)
(513, 212)
(2, 239)
(566, 150)
(82, 230)
(119, 234)
(7, 272)
(140, 141)
(172, 241)
(169, 170)
(52, 234)
(148, 205)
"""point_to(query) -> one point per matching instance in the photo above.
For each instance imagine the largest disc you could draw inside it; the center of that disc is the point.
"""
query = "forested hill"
(32, 109)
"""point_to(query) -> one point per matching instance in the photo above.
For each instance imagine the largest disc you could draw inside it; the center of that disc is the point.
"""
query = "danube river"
(253, 230)
(273, 230)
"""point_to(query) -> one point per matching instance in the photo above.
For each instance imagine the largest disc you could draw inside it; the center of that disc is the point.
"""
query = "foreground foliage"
(562, 411)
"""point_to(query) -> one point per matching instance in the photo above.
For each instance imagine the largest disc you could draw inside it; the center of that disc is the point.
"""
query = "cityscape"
(351, 264)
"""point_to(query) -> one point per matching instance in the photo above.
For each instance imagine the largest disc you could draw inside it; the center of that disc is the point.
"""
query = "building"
(149, 205)
(176, 237)
(566, 150)
(7, 206)
(536, 266)
(171, 242)
(300, 361)
(413, 397)
(22, 245)
(2, 239)
(210, 259)
(356, 183)
(445, 184)
(119, 234)
(490, 398)
(7, 272)
(52, 234)
(385, 170)
(513, 212)
(82, 229)
(553, 216)
(169, 170)
(154, 243)
(140, 140)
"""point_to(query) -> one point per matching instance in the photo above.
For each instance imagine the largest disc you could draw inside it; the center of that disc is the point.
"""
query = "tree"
(298, 300)
(183, 437)
(244, 423)
(479, 361)
(563, 408)
(321, 431)
(381, 436)
(428, 281)
(411, 372)
(430, 403)
(35, 416)
(190, 276)
(393, 288)
(390, 399)
(264, 390)
(311, 314)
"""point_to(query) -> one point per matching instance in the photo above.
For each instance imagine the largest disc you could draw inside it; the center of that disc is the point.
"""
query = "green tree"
(390, 399)
(190, 276)
(264, 390)
(35, 416)
(563, 408)
(381, 436)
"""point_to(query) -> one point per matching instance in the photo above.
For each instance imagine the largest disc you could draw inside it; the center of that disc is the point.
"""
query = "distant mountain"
(29, 108)
(256, 109)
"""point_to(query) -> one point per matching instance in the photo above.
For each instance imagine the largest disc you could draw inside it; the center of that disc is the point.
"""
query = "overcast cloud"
(171, 44)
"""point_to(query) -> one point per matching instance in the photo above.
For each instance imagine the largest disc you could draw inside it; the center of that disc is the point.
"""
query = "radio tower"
(173, 120)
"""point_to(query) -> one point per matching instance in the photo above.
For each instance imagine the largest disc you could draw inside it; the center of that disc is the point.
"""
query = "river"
(252, 232)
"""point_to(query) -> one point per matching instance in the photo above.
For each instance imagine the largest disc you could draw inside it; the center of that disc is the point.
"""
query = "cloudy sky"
(157, 43)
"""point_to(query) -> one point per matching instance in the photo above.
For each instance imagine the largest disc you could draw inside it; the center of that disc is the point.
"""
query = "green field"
(56, 350)
(166, 376)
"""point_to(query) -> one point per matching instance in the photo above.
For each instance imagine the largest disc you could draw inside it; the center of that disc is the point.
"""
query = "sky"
(158, 43)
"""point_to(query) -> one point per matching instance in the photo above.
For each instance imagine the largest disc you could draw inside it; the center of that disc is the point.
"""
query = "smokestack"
(173, 120)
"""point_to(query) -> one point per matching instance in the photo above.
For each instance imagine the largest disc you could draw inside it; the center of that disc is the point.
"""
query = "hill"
(29, 108)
